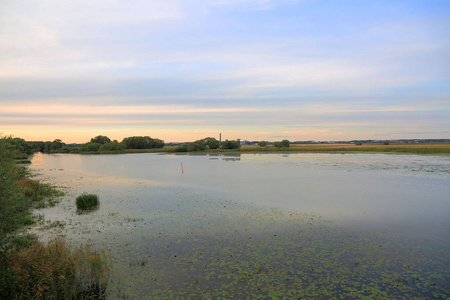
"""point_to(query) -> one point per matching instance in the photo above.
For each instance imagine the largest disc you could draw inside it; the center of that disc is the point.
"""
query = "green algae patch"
(259, 253)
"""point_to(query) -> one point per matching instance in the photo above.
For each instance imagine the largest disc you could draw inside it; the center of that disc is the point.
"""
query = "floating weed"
(194, 246)
(261, 253)
(54, 224)
(130, 219)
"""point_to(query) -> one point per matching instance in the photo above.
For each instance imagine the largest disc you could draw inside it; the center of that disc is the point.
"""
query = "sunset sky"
(250, 69)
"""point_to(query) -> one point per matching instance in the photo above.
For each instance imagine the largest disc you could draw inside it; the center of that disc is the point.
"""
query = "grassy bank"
(438, 148)
(29, 269)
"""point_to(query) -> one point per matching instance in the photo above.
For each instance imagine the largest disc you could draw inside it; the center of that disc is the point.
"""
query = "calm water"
(205, 231)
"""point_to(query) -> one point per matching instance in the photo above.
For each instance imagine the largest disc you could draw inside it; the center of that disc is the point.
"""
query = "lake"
(260, 225)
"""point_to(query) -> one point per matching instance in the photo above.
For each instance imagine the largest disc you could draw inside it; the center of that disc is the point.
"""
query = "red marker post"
(182, 168)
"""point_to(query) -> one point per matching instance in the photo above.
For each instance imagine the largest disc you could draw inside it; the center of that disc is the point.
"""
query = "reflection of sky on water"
(405, 192)
(227, 212)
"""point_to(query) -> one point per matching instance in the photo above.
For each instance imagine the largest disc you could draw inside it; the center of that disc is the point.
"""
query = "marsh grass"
(54, 272)
(87, 201)
(23, 161)
(41, 194)
(443, 148)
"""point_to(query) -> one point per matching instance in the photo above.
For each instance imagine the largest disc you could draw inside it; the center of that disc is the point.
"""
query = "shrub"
(87, 201)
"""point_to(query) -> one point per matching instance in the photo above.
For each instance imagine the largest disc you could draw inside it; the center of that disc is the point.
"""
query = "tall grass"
(54, 272)
(28, 269)
(41, 194)
(87, 201)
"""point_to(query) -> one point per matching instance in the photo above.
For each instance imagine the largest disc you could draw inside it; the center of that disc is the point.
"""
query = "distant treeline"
(103, 144)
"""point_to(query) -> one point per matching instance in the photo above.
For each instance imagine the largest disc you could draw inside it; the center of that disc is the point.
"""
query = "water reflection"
(186, 225)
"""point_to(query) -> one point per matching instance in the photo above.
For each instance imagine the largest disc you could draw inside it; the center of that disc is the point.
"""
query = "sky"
(181, 70)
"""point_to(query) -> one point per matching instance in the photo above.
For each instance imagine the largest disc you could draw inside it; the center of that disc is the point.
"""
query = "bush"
(262, 144)
(87, 201)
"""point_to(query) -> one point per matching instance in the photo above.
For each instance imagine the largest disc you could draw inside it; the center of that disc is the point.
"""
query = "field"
(425, 148)
(400, 148)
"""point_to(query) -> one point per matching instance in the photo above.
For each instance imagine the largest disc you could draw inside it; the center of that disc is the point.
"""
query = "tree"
(90, 147)
(211, 143)
(181, 148)
(282, 144)
(262, 144)
(142, 142)
(101, 139)
(113, 146)
(230, 145)
(196, 146)
(18, 145)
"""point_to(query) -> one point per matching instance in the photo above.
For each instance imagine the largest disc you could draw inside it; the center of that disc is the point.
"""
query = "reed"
(55, 272)
(87, 201)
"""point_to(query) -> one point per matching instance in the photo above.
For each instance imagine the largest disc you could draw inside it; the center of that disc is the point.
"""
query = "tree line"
(102, 143)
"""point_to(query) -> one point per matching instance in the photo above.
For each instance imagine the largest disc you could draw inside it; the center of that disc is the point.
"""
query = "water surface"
(254, 225)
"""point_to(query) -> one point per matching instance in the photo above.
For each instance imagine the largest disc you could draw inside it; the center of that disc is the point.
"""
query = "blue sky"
(251, 69)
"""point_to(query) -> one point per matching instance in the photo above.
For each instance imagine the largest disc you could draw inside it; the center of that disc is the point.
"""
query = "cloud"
(201, 63)
(49, 38)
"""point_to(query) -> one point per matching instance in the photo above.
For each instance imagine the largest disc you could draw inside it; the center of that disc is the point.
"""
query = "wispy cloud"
(269, 67)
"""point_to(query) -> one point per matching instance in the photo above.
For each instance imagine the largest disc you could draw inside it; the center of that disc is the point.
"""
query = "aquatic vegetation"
(23, 161)
(87, 201)
(41, 194)
(271, 253)
(54, 272)
(54, 224)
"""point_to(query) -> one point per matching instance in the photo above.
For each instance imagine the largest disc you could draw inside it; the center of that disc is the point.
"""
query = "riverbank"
(30, 269)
